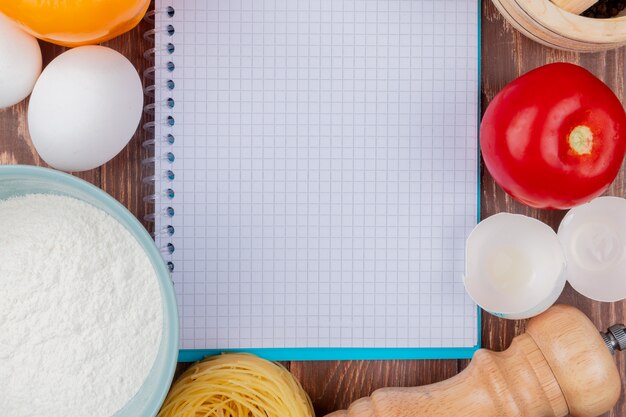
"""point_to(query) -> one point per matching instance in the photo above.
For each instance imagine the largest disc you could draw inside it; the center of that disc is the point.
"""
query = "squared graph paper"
(325, 172)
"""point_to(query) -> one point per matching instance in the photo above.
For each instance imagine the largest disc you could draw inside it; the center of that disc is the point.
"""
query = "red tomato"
(555, 137)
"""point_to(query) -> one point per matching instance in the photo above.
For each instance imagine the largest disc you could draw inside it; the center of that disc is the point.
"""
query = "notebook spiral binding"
(156, 162)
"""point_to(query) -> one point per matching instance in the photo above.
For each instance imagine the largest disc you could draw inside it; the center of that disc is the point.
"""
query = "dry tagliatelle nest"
(236, 385)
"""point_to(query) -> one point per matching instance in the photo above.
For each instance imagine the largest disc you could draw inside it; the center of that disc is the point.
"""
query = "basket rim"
(571, 26)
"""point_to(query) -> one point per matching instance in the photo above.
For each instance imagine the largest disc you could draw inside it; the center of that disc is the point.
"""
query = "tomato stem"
(580, 139)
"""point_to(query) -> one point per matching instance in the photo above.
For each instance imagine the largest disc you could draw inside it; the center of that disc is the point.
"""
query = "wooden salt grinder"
(561, 365)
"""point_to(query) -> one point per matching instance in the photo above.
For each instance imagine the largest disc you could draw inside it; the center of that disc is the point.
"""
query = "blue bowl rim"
(147, 243)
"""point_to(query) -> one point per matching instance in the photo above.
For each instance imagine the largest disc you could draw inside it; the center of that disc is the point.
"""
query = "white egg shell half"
(514, 266)
(85, 108)
(594, 238)
(20, 63)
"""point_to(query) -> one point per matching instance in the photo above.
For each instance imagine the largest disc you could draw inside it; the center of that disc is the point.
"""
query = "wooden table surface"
(505, 55)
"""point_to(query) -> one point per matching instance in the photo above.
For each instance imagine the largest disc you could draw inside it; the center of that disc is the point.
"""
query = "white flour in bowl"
(80, 310)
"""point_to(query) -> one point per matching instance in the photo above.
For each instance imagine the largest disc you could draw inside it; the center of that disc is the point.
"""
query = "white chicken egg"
(514, 266)
(20, 63)
(85, 108)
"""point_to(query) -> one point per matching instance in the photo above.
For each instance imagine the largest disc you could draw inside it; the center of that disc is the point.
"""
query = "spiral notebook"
(317, 174)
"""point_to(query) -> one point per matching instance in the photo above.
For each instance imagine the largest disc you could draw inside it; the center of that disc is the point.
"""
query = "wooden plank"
(122, 176)
(334, 385)
(506, 55)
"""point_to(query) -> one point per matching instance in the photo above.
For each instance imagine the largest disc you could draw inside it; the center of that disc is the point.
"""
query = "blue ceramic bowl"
(18, 180)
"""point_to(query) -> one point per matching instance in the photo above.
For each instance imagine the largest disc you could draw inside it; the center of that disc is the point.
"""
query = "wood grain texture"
(120, 177)
(559, 365)
(335, 384)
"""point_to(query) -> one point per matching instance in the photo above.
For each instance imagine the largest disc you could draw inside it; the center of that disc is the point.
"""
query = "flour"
(80, 310)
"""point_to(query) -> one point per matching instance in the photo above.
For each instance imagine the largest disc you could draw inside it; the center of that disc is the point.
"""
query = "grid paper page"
(325, 171)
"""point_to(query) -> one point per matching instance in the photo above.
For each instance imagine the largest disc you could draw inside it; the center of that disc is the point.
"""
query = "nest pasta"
(236, 385)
